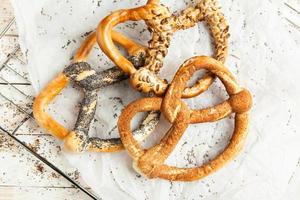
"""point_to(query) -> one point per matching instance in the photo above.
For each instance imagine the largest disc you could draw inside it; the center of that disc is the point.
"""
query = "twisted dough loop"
(240, 99)
(84, 50)
(42, 101)
(150, 162)
(84, 76)
(162, 25)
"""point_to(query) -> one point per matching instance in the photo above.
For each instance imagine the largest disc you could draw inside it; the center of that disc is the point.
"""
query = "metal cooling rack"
(26, 111)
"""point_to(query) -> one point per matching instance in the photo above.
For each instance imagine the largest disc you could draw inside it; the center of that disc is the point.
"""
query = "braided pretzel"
(162, 25)
(150, 162)
(83, 75)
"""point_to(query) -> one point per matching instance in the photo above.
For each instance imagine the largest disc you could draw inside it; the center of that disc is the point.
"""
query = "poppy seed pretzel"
(78, 140)
(162, 25)
(81, 73)
(150, 162)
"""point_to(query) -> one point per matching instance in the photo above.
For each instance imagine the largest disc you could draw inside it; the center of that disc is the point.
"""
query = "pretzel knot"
(150, 162)
(147, 81)
(162, 25)
(90, 81)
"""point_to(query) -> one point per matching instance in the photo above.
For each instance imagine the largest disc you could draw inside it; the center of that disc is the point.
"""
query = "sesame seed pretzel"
(150, 162)
(162, 24)
(81, 73)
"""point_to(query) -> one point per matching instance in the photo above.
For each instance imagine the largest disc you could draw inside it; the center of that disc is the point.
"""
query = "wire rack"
(24, 109)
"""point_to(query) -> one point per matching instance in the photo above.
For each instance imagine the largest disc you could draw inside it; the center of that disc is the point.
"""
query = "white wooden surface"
(21, 175)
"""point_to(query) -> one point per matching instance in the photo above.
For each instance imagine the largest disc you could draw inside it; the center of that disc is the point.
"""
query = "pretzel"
(90, 81)
(162, 24)
(150, 162)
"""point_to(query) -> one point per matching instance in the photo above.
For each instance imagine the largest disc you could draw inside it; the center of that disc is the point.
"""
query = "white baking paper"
(264, 56)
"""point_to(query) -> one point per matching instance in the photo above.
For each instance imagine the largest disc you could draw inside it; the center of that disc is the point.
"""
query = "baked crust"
(150, 162)
(90, 81)
(42, 101)
(240, 99)
(162, 24)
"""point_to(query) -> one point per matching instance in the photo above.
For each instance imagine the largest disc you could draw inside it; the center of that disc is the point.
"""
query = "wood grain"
(21, 175)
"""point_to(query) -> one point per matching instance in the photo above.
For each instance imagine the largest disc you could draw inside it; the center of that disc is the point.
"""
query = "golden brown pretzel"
(131, 47)
(150, 162)
(162, 25)
(172, 99)
(81, 73)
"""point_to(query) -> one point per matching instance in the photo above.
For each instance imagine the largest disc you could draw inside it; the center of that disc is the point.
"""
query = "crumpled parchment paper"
(264, 56)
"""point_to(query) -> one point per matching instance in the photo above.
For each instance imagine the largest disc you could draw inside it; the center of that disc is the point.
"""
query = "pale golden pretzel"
(150, 162)
(162, 25)
(83, 75)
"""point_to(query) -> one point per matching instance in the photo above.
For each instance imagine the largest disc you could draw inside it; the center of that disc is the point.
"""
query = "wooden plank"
(18, 167)
(10, 40)
(7, 45)
(33, 193)
(6, 12)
